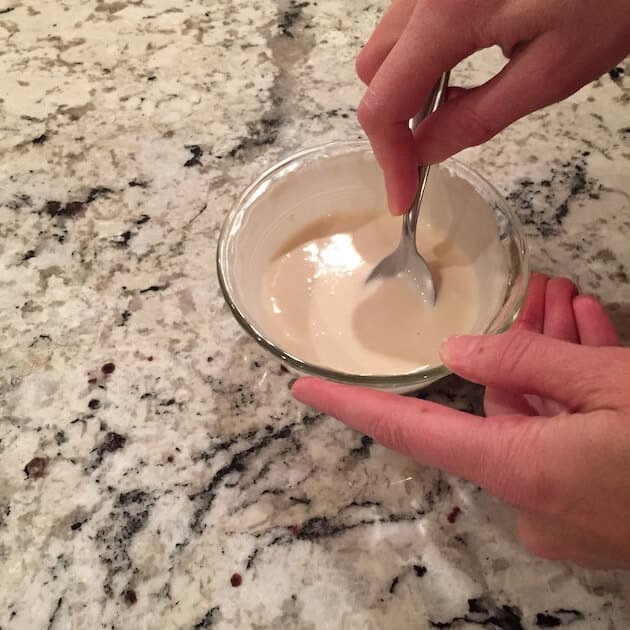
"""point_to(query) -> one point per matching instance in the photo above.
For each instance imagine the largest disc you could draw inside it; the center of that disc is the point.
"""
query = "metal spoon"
(406, 258)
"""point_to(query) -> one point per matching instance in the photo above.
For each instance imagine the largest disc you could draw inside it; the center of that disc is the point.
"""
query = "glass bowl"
(305, 186)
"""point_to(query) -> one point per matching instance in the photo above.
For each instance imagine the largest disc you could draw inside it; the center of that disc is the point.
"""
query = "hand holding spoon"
(406, 258)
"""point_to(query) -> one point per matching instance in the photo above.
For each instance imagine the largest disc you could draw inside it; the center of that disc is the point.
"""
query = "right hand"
(554, 48)
(556, 442)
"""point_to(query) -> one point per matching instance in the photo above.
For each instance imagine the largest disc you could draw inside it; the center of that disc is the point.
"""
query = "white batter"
(318, 307)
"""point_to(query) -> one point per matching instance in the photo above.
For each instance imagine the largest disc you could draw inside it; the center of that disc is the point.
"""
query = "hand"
(554, 48)
(556, 444)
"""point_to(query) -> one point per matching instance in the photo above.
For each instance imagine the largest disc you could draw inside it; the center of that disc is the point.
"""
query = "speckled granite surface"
(150, 455)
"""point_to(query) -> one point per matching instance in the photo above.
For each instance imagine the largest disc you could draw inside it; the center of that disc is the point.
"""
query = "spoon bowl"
(406, 259)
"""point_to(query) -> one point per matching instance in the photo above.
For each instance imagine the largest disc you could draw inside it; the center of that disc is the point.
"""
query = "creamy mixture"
(318, 307)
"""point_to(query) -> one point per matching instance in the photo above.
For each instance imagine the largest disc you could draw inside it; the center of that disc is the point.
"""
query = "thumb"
(496, 453)
(524, 362)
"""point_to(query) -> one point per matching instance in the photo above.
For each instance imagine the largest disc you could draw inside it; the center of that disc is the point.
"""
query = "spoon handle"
(436, 98)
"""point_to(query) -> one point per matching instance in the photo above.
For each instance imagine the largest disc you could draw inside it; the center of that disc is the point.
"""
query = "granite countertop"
(155, 471)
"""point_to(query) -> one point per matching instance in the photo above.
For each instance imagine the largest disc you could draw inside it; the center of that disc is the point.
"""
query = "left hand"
(556, 442)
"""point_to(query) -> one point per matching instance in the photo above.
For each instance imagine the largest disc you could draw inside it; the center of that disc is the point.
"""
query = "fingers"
(493, 453)
(527, 363)
(497, 402)
(384, 38)
(532, 315)
(593, 323)
(559, 318)
(427, 47)
(528, 82)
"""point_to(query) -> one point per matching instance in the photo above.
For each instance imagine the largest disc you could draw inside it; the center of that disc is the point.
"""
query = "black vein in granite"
(362, 451)
(72, 209)
(122, 240)
(209, 618)
(197, 154)
(319, 527)
(560, 617)
(300, 500)
(251, 558)
(420, 570)
(291, 16)
(237, 464)
(129, 514)
(348, 518)
(262, 132)
(51, 619)
(154, 288)
(111, 443)
(616, 73)
(124, 317)
(544, 204)
(138, 183)
(485, 612)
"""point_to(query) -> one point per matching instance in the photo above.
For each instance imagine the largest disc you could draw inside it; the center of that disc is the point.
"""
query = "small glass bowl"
(261, 221)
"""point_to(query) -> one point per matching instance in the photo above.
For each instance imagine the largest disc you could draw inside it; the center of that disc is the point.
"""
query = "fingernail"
(457, 348)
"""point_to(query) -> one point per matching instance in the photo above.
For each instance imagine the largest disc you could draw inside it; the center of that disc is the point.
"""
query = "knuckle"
(387, 430)
(475, 126)
(369, 112)
(531, 487)
(562, 283)
(514, 352)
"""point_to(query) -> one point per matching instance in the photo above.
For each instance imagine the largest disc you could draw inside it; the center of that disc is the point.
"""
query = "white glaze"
(318, 230)
(320, 309)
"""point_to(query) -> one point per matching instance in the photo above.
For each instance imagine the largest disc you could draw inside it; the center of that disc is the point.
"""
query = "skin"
(554, 48)
(555, 444)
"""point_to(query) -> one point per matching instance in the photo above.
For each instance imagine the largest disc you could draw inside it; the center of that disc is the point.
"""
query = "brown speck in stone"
(130, 597)
(170, 459)
(150, 358)
(454, 514)
(92, 380)
(294, 529)
(94, 403)
(236, 580)
(108, 368)
(36, 468)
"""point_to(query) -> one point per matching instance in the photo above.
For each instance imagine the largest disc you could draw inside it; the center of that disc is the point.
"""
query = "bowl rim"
(420, 376)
